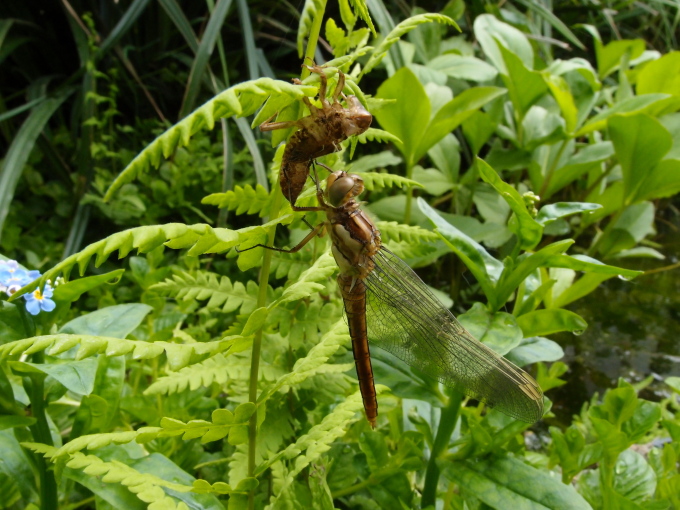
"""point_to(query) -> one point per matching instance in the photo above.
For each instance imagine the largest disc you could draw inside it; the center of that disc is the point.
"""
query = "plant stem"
(264, 282)
(409, 195)
(447, 422)
(257, 340)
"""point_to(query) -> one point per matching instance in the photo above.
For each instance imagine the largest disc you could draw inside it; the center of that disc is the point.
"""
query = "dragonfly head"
(342, 187)
(359, 119)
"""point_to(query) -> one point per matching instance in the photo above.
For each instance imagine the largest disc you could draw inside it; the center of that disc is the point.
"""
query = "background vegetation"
(526, 152)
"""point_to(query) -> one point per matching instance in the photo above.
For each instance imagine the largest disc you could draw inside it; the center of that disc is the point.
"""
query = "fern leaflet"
(402, 28)
(240, 100)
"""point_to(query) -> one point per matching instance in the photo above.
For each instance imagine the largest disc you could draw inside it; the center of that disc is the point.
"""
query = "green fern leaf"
(317, 441)
(310, 364)
(376, 180)
(243, 199)
(240, 100)
(203, 374)
(218, 290)
(376, 135)
(398, 232)
(178, 355)
(402, 28)
(308, 283)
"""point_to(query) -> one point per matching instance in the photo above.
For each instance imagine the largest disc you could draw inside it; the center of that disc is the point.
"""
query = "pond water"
(633, 332)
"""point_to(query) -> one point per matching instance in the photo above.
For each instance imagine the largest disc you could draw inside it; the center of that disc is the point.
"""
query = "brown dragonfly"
(389, 305)
(318, 134)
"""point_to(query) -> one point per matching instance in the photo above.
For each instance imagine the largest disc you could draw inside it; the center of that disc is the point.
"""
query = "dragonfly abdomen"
(354, 295)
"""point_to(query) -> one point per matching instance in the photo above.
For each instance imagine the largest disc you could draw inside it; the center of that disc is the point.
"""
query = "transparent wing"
(406, 319)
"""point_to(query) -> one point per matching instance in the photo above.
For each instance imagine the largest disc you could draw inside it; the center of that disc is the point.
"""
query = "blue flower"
(40, 300)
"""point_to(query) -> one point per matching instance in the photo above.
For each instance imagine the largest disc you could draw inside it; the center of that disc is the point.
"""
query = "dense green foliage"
(196, 376)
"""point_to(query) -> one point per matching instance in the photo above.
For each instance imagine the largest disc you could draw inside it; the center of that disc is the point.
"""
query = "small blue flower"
(40, 300)
(13, 277)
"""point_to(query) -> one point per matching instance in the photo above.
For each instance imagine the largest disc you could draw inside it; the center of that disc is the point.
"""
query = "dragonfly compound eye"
(339, 190)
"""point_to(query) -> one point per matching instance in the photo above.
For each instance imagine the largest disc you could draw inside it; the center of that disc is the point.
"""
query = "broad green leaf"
(613, 440)
(651, 104)
(445, 155)
(483, 266)
(528, 231)
(547, 322)
(663, 181)
(525, 86)
(407, 117)
(113, 321)
(585, 160)
(619, 405)
(582, 287)
(463, 68)
(561, 67)
(662, 75)
(452, 114)
(589, 264)
(498, 330)
(478, 129)
(505, 482)
(16, 464)
(560, 91)
(535, 349)
(609, 56)
(76, 376)
(647, 415)
(551, 212)
(490, 32)
(635, 479)
(541, 127)
(640, 142)
(513, 277)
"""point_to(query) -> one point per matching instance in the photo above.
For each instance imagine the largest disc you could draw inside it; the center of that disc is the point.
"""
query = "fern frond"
(318, 439)
(147, 487)
(310, 364)
(402, 28)
(178, 355)
(200, 238)
(377, 180)
(291, 265)
(361, 9)
(224, 423)
(243, 199)
(398, 232)
(308, 283)
(301, 322)
(376, 135)
(240, 100)
(218, 290)
(203, 374)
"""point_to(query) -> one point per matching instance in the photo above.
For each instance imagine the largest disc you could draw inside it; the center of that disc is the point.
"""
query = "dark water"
(633, 332)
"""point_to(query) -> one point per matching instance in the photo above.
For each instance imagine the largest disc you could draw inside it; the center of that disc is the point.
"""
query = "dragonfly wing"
(407, 320)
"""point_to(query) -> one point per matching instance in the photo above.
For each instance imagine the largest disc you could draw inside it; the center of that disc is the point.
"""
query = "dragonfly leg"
(267, 125)
(339, 87)
(315, 232)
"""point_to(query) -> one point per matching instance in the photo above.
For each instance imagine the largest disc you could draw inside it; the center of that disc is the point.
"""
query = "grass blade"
(20, 150)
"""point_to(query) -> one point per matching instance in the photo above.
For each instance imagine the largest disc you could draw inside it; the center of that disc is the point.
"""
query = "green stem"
(257, 341)
(606, 478)
(409, 195)
(447, 422)
(354, 488)
(314, 33)
(264, 282)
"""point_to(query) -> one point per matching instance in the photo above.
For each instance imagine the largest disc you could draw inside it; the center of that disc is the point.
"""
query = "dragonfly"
(388, 306)
(318, 134)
